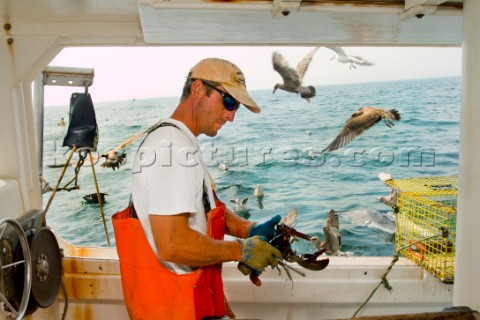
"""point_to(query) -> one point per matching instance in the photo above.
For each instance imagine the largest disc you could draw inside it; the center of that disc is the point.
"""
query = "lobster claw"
(309, 261)
(282, 241)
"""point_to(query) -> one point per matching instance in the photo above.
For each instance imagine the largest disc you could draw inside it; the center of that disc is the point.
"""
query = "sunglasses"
(228, 101)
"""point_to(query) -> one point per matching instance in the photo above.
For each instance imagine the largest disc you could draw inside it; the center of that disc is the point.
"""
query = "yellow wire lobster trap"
(426, 222)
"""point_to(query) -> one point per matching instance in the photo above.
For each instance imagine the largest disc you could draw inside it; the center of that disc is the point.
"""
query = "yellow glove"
(253, 275)
(258, 254)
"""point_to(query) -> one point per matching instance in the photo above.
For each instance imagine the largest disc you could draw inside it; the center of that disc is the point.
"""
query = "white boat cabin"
(34, 32)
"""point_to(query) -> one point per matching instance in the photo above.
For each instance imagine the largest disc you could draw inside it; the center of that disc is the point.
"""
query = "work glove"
(265, 229)
(253, 275)
(258, 254)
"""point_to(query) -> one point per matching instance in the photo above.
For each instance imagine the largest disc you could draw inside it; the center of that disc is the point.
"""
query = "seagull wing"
(329, 240)
(384, 176)
(302, 66)
(339, 51)
(361, 61)
(289, 75)
(360, 121)
(116, 157)
(244, 201)
(135, 137)
(333, 219)
(290, 218)
(337, 237)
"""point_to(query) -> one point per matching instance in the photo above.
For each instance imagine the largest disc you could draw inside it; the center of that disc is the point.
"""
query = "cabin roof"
(239, 22)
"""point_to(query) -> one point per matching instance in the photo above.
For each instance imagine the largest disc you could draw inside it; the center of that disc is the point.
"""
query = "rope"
(44, 214)
(383, 277)
(99, 197)
(44, 185)
(75, 179)
(65, 295)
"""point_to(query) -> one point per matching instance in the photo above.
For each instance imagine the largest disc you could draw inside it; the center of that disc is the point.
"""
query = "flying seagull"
(293, 78)
(360, 121)
(342, 57)
(116, 157)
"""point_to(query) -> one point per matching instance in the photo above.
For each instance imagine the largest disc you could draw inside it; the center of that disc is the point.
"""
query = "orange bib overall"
(151, 291)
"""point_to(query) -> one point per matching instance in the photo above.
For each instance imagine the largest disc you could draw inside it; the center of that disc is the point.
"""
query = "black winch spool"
(46, 269)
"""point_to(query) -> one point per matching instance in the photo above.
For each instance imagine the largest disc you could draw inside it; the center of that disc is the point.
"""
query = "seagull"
(360, 121)
(391, 199)
(258, 192)
(292, 79)
(240, 205)
(223, 165)
(342, 57)
(311, 153)
(333, 239)
(372, 219)
(116, 157)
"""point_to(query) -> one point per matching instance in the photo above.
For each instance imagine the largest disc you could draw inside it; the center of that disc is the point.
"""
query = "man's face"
(215, 113)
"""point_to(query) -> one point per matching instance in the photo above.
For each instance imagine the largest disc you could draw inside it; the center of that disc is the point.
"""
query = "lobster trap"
(426, 222)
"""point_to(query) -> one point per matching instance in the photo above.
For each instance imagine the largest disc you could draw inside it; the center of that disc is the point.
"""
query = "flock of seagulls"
(360, 121)
(241, 204)
(293, 78)
(332, 236)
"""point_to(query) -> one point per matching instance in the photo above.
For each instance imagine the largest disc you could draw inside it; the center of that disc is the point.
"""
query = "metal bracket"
(285, 7)
(419, 8)
(69, 77)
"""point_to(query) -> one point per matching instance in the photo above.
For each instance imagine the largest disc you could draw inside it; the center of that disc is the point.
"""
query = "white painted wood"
(467, 266)
(10, 199)
(41, 28)
(175, 23)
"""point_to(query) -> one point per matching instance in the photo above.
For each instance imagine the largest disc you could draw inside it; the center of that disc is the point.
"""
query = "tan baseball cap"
(229, 76)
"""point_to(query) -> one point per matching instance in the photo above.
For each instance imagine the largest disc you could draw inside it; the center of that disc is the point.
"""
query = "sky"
(123, 73)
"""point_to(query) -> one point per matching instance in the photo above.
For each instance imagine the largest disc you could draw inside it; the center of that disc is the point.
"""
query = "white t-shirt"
(167, 178)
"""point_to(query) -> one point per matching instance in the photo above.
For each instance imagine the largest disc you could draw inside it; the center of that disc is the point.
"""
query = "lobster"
(285, 235)
(282, 241)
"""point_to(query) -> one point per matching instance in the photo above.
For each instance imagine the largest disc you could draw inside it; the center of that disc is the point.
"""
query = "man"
(173, 265)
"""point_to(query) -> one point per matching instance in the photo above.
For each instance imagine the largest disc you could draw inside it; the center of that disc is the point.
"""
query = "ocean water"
(273, 149)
